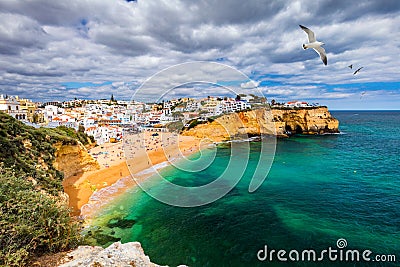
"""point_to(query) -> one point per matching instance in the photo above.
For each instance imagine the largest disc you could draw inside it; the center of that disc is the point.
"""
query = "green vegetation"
(213, 118)
(175, 126)
(297, 108)
(77, 135)
(33, 219)
(32, 223)
(30, 151)
(194, 123)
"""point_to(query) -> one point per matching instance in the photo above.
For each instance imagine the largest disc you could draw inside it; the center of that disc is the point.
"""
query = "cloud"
(249, 85)
(46, 44)
(18, 32)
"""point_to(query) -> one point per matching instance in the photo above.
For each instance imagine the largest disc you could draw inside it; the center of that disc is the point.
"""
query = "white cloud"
(44, 44)
(249, 85)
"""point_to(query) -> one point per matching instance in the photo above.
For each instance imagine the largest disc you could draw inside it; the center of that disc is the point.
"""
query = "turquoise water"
(319, 189)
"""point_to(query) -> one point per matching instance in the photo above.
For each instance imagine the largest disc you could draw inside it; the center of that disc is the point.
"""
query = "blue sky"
(50, 50)
(75, 85)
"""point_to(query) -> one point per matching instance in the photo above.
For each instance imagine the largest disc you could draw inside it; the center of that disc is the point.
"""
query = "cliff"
(117, 254)
(279, 122)
(304, 121)
(72, 159)
(35, 219)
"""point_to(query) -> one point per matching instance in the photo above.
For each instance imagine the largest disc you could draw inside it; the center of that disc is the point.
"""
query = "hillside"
(34, 218)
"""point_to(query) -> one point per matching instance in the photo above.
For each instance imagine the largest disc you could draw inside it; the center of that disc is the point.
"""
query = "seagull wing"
(310, 33)
(321, 51)
(357, 70)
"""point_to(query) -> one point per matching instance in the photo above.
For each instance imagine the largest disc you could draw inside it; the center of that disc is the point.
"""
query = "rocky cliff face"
(235, 125)
(117, 254)
(73, 159)
(304, 121)
(280, 122)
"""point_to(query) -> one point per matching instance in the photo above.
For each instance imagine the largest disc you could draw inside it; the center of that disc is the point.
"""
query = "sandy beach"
(119, 161)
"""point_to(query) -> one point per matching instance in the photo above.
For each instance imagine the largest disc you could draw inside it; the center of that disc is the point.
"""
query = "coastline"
(140, 151)
(89, 191)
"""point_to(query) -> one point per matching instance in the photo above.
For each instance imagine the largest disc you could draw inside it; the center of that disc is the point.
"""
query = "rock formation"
(117, 254)
(279, 122)
(304, 121)
(73, 159)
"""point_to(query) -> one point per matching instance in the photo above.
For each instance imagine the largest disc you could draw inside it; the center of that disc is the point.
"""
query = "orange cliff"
(310, 120)
(73, 159)
(280, 122)
(76, 163)
(83, 174)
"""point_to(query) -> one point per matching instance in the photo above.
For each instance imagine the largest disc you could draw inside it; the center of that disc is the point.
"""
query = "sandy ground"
(117, 161)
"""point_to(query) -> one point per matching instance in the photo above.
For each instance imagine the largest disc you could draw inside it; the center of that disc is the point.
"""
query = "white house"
(51, 111)
(89, 122)
(193, 106)
(64, 120)
(11, 106)
(103, 134)
(296, 104)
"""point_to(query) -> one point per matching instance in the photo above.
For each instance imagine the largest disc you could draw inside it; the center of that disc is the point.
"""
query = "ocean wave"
(340, 133)
(103, 196)
(154, 168)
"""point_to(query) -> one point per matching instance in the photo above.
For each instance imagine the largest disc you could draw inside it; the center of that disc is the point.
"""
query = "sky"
(90, 49)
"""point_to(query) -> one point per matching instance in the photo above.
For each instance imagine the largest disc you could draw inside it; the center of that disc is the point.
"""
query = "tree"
(273, 102)
(177, 115)
(237, 98)
(35, 118)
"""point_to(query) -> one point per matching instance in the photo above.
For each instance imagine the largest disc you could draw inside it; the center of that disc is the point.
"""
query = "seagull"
(350, 66)
(314, 44)
(357, 70)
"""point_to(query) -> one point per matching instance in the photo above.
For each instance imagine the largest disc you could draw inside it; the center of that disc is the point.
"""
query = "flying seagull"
(314, 44)
(350, 66)
(357, 70)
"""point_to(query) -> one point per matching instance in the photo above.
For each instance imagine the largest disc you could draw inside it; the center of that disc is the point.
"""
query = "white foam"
(153, 168)
(340, 133)
(104, 195)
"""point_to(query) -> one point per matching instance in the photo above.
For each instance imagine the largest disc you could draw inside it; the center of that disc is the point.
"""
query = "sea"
(329, 194)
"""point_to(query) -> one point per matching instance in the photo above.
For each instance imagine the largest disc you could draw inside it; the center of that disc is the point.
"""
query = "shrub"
(31, 222)
(35, 161)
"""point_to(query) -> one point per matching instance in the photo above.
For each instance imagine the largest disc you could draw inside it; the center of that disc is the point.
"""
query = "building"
(193, 106)
(296, 104)
(103, 134)
(53, 103)
(30, 107)
(12, 106)
(51, 111)
(63, 120)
